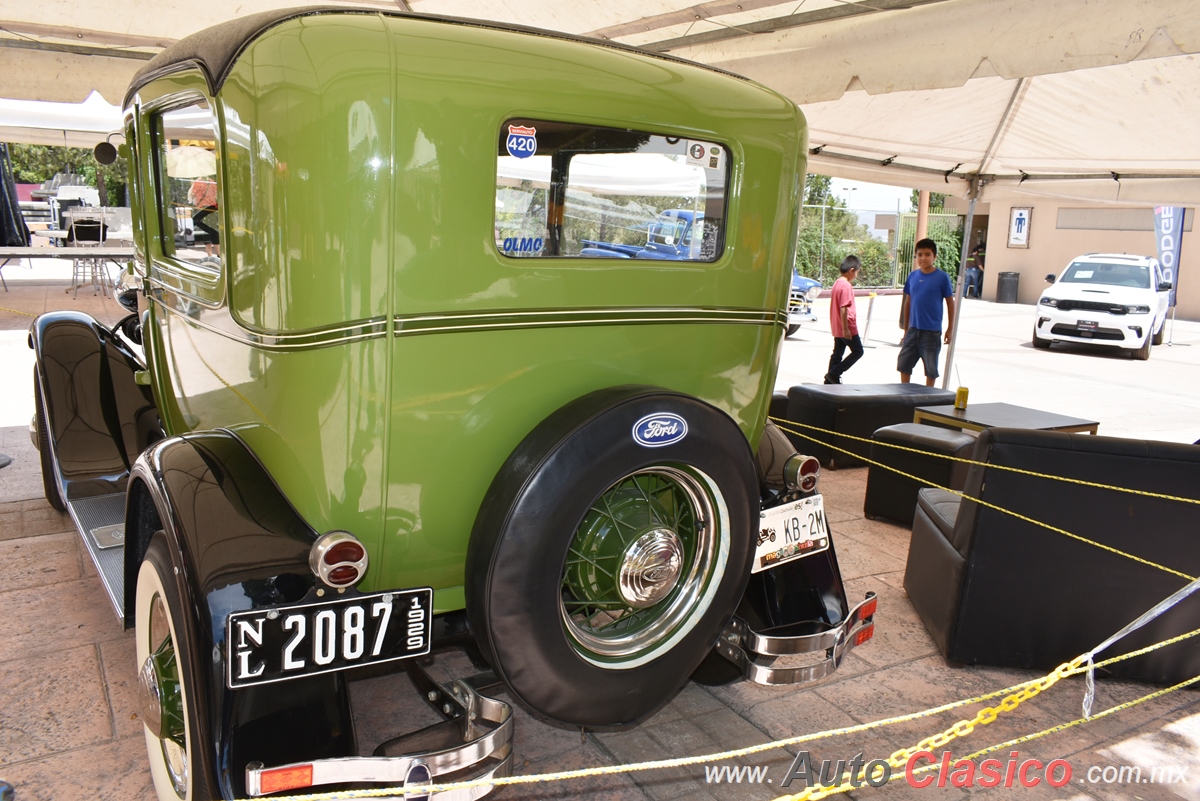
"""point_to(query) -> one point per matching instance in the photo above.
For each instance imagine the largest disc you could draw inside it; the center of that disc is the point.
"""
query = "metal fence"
(882, 238)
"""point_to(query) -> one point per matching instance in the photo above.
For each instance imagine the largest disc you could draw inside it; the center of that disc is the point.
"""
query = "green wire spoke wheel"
(640, 562)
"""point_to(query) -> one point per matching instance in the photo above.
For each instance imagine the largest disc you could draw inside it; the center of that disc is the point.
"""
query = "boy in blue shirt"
(921, 315)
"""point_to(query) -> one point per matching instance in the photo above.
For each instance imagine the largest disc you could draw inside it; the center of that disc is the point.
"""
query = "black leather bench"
(993, 589)
(855, 409)
(894, 496)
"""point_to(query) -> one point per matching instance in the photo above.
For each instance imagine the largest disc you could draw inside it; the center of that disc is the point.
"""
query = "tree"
(36, 164)
(821, 248)
(937, 200)
(817, 190)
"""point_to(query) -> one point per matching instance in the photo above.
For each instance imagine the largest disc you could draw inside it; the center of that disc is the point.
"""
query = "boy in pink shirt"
(843, 321)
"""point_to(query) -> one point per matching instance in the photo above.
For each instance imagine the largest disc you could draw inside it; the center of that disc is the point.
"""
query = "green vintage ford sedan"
(373, 400)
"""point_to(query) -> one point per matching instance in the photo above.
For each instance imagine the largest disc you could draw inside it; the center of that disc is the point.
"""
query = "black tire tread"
(514, 570)
(159, 556)
(49, 479)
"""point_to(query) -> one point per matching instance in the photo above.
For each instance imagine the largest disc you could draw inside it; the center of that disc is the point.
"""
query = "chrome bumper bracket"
(756, 654)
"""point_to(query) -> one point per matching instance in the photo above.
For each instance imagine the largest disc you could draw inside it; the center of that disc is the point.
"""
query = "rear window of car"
(1131, 275)
(577, 191)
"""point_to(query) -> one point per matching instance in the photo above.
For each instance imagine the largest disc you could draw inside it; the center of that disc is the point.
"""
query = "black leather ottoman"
(894, 496)
(779, 405)
(856, 409)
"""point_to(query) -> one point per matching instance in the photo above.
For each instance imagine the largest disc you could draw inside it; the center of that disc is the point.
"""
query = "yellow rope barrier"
(779, 422)
(989, 505)
(845, 785)
(1014, 695)
(15, 311)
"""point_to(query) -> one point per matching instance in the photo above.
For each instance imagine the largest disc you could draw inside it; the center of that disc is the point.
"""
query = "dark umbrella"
(13, 232)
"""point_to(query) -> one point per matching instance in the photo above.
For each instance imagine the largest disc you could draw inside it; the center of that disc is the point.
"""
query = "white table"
(103, 253)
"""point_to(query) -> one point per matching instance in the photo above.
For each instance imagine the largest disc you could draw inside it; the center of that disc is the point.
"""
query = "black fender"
(99, 418)
(237, 544)
(805, 596)
(801, 597)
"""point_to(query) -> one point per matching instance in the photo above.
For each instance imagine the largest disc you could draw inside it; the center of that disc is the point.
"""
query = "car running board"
(756, 654)
(100, 521)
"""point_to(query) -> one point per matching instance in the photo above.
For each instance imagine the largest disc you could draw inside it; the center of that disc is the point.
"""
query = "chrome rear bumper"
(756, 654)
(475, 742)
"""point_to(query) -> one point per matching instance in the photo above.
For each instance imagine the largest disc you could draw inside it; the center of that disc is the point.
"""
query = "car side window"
(578, 191)
(186, 155)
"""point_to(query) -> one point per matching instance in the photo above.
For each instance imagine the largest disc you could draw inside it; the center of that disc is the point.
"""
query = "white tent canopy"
(1091, 99)
(64, 124)
(1094, 100)
(611, 174)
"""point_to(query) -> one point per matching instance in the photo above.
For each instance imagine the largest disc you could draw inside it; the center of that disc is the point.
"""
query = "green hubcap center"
(158, 694)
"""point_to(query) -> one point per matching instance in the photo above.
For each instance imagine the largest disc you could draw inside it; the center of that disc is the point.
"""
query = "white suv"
(1105, 299)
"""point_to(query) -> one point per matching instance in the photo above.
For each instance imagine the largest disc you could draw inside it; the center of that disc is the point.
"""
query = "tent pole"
(961, 282)
(821, 262)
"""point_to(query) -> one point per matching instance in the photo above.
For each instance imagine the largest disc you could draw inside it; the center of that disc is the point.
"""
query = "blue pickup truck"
(800, 302)
(668, 237)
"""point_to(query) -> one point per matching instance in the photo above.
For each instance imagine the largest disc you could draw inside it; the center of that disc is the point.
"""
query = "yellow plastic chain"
(899, 759)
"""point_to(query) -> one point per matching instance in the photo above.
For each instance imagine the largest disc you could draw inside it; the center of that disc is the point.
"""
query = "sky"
(867, 200)
(871, 197)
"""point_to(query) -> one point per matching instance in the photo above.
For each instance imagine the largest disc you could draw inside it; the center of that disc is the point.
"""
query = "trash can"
(1006, 287)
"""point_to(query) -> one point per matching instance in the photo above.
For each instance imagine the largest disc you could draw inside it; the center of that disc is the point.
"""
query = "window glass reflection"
(578, 191)
(186, 155)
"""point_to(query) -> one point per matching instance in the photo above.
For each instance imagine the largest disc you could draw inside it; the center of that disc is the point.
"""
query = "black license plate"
(267, 645)
(1087, 325)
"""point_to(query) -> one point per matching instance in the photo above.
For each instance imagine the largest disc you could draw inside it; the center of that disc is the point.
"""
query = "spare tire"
(610, 552)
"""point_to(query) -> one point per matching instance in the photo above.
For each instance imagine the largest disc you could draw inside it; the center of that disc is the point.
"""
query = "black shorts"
(926, 345)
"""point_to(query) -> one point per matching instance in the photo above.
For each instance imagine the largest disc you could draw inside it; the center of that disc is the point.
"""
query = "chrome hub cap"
(642, 565)
(650, 568)
(150, 698)
(161, 697)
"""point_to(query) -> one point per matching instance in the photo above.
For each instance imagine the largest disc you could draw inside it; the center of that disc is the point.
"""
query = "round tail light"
(801, 472)
(338, 559)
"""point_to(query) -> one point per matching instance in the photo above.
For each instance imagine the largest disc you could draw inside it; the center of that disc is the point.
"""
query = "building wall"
(1051, 249)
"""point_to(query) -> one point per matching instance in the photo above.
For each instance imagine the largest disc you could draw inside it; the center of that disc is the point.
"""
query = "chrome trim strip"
(494, 744)
(416, 325)
(179, 290)
(319, 338)
(490, 321)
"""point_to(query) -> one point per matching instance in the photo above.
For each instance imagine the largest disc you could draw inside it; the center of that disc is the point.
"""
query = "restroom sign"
(1018, 226)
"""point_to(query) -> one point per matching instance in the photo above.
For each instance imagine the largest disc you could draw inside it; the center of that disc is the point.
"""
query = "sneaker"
(832, 379)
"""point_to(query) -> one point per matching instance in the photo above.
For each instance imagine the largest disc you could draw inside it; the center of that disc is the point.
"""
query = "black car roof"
(216, 49)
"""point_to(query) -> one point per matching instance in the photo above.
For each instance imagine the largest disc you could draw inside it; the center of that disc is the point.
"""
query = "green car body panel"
(366, 337)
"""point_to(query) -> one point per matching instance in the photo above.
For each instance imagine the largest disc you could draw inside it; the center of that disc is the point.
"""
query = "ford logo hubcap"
(650, 568)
